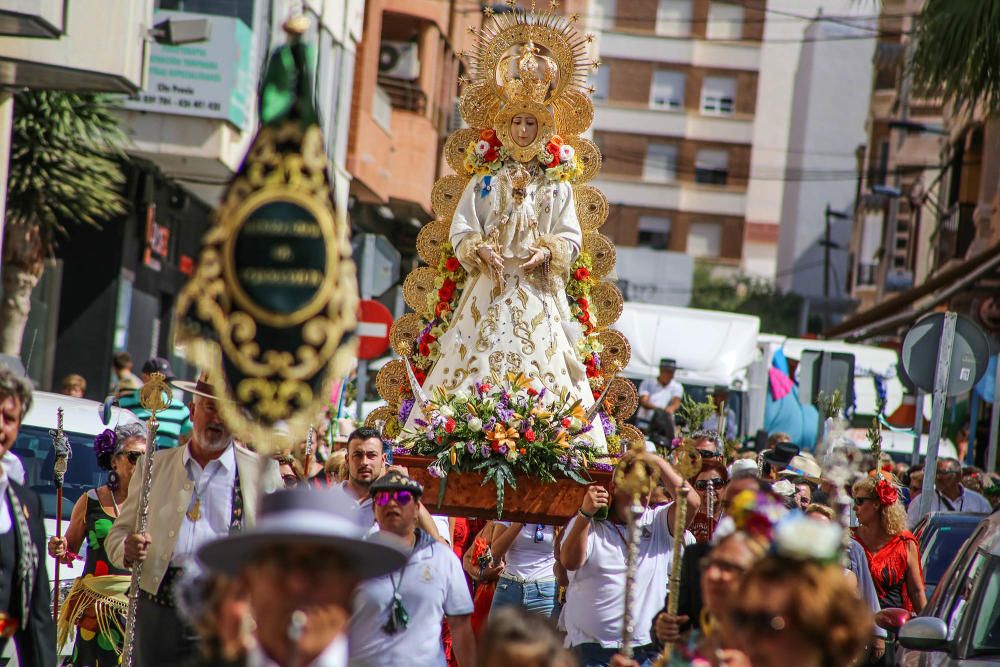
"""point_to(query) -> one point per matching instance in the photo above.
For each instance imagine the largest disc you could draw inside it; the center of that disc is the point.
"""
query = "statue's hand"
(491, 259)
(538, 255)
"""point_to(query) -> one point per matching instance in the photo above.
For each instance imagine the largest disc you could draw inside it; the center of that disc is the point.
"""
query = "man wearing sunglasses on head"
(397, 617)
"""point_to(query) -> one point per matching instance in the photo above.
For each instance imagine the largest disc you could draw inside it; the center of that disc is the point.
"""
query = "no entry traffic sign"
(373, 329)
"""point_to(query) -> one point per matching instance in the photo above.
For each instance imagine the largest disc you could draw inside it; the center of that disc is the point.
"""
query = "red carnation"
(488, 135)
(886, 492)
(529, 435)
(582, 273)
(532, 391)
(554, 152)
(424, 348)
(446, 291)
(485, 387)
(592, 372)
(495, 446)
(490, 155)
(583, 303)
(441, 308)
(597, 394)
(449, 426)
(556, 140)
(566, 422)
(451, 264)
(421, 376)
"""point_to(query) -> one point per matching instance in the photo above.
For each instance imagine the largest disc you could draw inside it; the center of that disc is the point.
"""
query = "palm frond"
(65, 162)
(957, 53)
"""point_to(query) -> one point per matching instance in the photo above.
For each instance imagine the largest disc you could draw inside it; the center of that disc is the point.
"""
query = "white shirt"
(214, 485)
(5, 520)
(432, 586)
(528, 559)
(365, 515)
(967, 501)
(443, 527)
(659, 395)
(595, 598)
(334, 655)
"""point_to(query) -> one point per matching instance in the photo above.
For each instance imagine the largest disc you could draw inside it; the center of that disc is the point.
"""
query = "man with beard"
(201, 491)
(366, 462)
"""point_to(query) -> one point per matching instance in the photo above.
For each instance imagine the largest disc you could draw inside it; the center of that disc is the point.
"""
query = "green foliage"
(956, 52)
(694, 414)
(65, 162)
(830, 405)
(778, 312)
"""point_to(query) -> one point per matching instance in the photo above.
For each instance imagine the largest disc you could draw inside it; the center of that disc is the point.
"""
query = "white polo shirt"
(365, 507)
(531, 559)
(595, 598)
(659, 395)
(432, 586)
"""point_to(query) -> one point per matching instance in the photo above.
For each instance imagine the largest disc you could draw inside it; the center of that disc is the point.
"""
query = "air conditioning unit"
(399, 60)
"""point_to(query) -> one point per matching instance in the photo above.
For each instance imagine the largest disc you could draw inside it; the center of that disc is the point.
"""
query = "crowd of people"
(326, 555)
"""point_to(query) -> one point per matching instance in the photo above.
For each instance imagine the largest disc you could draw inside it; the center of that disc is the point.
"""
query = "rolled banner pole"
(710, 508)
(62, 453)
(307, 457)
(687, 462)
(154, 396)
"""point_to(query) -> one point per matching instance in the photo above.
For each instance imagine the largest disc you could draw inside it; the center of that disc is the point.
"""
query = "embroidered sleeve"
(561, 254)
(467, 252)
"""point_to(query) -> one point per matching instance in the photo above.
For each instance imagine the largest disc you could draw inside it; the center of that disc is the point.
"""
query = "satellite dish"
(969, 356)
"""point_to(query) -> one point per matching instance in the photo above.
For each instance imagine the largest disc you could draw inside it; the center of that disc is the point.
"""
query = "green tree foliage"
(65, 168)
(778, 312)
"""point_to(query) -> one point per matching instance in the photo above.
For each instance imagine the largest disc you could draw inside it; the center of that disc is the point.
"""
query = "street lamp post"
(828, 244)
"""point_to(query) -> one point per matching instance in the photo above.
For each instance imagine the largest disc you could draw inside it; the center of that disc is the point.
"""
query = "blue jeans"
(536, 597)
(595, 655)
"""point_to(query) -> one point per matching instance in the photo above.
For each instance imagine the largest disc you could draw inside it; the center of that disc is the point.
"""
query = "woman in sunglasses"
(528, 579)
(92, 603)
(709, 484)
(892, 552)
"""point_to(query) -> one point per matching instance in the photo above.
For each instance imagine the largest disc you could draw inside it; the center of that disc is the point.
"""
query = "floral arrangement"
(504, 428)
(559, 160)
(486, 156)
(754, 513)
(799, 538)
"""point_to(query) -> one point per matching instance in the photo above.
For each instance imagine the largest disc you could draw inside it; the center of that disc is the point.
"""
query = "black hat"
(670, 364)
(720, 389)
(159, 365)
(396, 481)
(315, 517)
(782, 454)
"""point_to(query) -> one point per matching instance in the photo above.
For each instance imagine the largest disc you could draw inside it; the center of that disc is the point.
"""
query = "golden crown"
(528, 75)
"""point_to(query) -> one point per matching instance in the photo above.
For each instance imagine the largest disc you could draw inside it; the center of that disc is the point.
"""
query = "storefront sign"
(212, 79)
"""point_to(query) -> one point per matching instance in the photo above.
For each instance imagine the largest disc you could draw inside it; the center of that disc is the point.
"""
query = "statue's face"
(524, 129)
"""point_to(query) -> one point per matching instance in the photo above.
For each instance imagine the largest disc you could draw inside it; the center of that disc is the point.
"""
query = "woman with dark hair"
(97, 602)
(708, 484)
(892, 552)
(516, 637)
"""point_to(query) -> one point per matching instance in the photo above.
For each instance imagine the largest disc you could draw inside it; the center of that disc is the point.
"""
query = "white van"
(81, 423)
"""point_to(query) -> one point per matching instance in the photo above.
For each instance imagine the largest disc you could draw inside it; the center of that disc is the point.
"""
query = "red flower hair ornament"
(886, 491)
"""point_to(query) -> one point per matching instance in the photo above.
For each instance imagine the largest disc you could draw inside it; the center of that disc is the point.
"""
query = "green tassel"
(399, 618)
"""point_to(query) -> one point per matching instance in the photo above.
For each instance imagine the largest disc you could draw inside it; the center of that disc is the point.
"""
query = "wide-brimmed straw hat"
(802, 466)
(203, 386)
(319, 518)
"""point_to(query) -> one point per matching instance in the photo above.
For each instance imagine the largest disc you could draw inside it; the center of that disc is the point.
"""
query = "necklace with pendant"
(194, 512)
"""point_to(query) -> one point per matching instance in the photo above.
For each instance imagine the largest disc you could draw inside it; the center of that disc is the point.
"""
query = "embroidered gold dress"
(518, 321)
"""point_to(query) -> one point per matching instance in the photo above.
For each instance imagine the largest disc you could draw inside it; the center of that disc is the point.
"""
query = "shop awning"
(906, 307)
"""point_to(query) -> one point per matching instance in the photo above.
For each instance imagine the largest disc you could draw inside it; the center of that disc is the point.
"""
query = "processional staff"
(687, 463)
(155, 396)
(63, 452)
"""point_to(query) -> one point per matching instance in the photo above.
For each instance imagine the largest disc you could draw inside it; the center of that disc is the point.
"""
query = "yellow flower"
(503, 436)
(539, 412)
(578, 411)
(519, 380)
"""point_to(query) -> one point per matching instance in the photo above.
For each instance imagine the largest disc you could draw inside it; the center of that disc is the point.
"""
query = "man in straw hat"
(300, 565)
(397, 617)
(205, 489)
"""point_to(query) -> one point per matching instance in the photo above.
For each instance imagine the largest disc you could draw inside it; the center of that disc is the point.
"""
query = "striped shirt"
(174, 422)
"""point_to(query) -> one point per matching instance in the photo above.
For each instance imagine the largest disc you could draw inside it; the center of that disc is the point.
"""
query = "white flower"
(461, 398)
(475, 424)
(575, 424)
(446, 411)
(511, 454)
(566, 153)
(801, 538)
(482, 147)
(783, 488)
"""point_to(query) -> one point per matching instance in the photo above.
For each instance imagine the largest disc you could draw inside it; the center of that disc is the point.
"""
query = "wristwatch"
(589, 516)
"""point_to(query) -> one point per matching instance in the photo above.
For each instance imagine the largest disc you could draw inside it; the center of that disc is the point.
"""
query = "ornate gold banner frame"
(272, 307)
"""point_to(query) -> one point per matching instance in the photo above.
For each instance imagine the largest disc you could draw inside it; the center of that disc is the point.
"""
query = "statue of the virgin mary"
(510, 299)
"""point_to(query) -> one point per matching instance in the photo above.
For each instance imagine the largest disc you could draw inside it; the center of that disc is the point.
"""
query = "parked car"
(81, 422)
(940, 536)
(960, 625)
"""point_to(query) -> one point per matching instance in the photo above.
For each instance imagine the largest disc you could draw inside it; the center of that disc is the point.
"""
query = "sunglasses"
(707, 455)
(702, 484)
(403, 498)
(858, 502)
(133, 457)
(757, 622)
(539, 533)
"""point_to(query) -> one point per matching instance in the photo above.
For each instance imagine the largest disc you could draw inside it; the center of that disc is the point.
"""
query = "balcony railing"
(405, 95)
